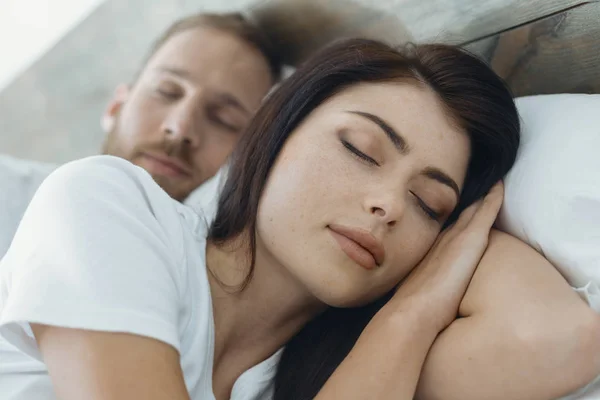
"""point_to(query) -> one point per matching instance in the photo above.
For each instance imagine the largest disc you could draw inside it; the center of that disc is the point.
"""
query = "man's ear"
(115, 104)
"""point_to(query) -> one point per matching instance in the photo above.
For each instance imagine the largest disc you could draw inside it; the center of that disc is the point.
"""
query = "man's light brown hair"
(233, 23)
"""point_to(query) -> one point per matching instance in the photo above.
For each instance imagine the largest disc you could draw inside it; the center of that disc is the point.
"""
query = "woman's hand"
(387, 359)
(435, 288)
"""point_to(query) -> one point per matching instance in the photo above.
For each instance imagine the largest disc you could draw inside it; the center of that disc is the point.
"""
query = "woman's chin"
(344, 296)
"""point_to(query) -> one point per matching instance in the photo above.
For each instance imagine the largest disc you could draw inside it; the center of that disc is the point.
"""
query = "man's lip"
(170, 162)
(364, 239)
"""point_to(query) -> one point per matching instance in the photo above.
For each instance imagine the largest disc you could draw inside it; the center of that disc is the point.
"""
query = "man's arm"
(524, 333)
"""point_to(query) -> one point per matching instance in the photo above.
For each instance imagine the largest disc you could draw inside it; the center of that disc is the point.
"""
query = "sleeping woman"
(354, 227)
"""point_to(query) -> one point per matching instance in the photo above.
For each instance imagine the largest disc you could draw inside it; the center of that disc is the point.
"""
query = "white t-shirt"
(206, 197)
(19, 179)
(102, 247)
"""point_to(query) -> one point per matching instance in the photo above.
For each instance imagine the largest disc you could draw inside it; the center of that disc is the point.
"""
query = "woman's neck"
(255, 322)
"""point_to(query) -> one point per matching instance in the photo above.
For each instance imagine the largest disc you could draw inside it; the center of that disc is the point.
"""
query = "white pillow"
(552, 198)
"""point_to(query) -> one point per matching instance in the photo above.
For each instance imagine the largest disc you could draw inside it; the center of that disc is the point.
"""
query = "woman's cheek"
(416, 250)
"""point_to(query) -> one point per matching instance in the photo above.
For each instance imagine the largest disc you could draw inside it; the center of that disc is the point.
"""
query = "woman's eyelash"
(359, 153)
(427, 210)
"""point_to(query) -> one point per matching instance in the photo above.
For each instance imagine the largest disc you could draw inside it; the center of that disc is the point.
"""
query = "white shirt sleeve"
(97, 249)
(19, 179)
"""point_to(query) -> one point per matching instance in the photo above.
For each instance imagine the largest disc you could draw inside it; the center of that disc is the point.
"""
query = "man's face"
(192, 101)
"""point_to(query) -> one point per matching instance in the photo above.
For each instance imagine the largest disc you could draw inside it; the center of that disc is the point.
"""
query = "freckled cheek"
(289, 204)
(308, 168)
(410, 253)
(288, 199)
(304, 185)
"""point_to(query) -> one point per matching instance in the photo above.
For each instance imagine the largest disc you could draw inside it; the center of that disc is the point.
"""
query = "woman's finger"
(461, 223)
(478, 218)
(490, 206)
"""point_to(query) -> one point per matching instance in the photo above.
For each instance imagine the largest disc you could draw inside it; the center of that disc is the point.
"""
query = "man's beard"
(111, 146)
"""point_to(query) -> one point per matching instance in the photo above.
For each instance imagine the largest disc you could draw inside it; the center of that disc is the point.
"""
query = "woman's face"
(360, 191)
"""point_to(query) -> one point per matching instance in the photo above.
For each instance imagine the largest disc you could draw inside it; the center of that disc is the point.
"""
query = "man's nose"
(180, 124)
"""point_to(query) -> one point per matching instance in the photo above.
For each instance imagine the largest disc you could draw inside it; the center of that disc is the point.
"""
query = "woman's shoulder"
(110, 241)
(106, 196)
(96, 172)
(111, 185)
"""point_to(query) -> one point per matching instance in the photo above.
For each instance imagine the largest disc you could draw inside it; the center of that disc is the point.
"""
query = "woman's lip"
(363, 238)
(355, 251)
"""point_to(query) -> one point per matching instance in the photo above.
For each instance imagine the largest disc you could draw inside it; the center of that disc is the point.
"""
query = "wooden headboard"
(559, 53)
(537, 46)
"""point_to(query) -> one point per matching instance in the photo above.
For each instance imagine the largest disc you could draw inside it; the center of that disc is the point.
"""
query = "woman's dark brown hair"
(475, 99)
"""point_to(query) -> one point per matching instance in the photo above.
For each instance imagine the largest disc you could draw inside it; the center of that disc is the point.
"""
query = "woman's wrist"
(403, 312)
(406, 319)
(387, 359)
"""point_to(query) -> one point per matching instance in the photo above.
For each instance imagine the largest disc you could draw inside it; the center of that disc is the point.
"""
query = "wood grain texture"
(396, 21)
(558, 54)
(458, 21)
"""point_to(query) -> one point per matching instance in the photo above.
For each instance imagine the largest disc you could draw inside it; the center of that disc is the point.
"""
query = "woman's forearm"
(485, 357)
(385, 362)
(525, 336)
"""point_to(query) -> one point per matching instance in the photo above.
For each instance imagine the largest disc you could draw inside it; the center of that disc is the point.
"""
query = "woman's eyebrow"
(397, 140)
(438, 175)
(400, 143)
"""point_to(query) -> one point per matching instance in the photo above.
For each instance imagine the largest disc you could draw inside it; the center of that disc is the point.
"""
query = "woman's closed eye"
(356, 152)
(428, 211)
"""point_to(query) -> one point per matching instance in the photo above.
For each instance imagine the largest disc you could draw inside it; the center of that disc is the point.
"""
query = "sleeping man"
(180, 119)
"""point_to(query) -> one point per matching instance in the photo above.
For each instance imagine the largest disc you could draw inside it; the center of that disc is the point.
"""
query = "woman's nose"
(389, 209)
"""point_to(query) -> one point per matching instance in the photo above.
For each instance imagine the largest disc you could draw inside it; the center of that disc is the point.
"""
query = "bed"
(537, 46)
